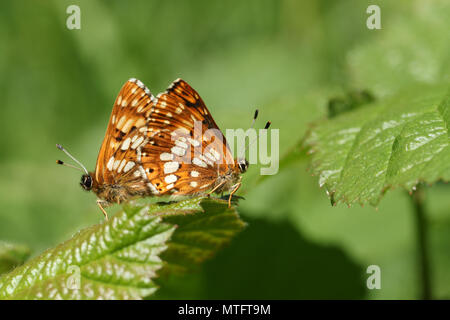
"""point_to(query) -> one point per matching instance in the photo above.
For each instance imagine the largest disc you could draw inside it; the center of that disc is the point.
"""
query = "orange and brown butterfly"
(164, 145)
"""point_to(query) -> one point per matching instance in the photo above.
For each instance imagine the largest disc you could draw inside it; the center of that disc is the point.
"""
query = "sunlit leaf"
(398, 141)
(119, 259)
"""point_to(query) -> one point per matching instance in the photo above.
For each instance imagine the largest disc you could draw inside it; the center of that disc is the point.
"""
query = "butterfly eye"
(243, 165)
(86, 182)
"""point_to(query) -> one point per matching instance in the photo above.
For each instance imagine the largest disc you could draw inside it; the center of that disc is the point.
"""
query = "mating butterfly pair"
(161, 145)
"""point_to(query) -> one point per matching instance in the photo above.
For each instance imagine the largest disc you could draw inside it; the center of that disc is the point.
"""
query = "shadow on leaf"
(271, 261)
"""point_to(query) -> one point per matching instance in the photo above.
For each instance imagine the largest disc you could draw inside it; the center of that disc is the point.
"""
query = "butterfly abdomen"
(116, 193)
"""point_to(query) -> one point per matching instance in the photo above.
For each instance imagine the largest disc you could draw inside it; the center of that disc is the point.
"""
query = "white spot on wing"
(193, 184)
(165, 156)
(178, 151)
(152, 188)
(129, 166)
(171, 178)
(116, 164)
(138, 155)
(121, 122)
(210, 156)
(137, 143)
(142, 171)
(215, 154)
(169, 186)
(171, 167)
(194, 142)
(194, 173)
(181, 144)
(199, 162)
(110, 163)
(203, 158)
(126, 144)
(122, 164)
(128, 125)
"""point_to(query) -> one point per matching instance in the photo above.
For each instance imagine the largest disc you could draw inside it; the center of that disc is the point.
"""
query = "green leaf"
(12, 255)
(119, 258)
(199, 236)
(116, 259)
(397, 141)
(411, 52)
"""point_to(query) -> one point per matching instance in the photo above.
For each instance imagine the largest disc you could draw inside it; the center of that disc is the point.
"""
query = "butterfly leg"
(99, 203)
(237, 186)
(215, 188)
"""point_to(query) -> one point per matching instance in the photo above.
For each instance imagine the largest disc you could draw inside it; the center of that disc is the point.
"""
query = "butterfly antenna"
(254, 118)
(244, 147)
(60, 147)
(68, 165)
(254, 140)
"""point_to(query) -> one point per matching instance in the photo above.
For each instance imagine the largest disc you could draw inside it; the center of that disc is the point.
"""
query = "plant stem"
(422, 242)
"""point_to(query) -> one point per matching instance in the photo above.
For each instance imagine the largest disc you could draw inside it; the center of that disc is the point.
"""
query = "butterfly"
(163, 145)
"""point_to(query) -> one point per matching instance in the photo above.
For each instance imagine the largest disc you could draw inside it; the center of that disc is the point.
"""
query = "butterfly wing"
(165, 144)
(129, 113)
(187, 150)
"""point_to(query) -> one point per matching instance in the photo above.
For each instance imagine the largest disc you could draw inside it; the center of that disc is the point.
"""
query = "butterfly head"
(86, 179)
(86, 182)
(242, 164)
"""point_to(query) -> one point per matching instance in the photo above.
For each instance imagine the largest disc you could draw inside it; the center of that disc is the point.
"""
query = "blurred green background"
(286, 57)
